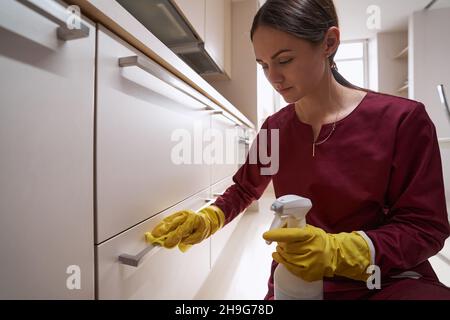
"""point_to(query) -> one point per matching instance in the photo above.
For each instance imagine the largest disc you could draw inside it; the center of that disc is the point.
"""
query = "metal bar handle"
(207, 204)
(223, 114)
(244, 141)
(443, 99)
(135, 260)
(164, 75)
(57, 14)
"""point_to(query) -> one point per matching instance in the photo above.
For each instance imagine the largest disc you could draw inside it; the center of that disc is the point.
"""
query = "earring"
(334, 66)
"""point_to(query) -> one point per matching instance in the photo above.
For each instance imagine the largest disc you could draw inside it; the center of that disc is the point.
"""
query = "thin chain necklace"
(320, 142)
(314, 144)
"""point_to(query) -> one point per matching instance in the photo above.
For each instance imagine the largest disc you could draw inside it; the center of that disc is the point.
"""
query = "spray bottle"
(292, 209)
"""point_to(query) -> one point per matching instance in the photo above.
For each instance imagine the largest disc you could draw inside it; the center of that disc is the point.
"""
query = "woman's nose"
(274, 77)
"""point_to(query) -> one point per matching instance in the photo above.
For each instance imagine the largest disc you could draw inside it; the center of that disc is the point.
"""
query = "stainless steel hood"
(161, 17)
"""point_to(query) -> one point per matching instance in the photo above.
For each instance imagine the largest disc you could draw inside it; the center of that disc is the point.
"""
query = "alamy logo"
(74, 19)
(73, 281)
(374, 19)
(374, 280)
(263, 152)
(212, 146)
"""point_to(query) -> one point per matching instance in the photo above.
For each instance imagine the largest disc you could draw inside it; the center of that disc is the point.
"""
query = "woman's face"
(292, 65)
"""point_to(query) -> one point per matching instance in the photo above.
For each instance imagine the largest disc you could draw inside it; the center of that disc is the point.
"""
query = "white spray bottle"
(287, 286)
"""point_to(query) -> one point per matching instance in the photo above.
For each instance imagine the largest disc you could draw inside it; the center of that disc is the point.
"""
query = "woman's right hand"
(186, 227)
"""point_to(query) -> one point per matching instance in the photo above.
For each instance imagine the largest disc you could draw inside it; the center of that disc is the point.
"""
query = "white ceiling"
(394, 15)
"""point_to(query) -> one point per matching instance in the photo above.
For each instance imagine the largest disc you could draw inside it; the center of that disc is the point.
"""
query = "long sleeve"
(416, 223)
(250, 180)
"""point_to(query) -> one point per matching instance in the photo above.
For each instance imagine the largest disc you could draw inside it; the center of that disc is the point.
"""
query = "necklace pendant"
(313, 149)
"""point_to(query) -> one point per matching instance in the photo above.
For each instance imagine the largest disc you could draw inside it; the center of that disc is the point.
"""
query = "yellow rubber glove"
(186, 227)
(312, 254)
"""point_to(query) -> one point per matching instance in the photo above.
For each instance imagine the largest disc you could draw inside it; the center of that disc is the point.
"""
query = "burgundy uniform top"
(380, 172)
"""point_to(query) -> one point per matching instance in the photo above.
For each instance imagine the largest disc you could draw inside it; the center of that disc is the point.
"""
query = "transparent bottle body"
(288, 286)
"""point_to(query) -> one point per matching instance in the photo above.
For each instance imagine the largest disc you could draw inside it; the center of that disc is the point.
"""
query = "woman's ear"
(332, 40)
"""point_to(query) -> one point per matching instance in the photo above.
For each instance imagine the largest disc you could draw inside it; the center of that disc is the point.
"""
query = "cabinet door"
(218, 32)
(244, 141)
(194, 11)
(149, 139)
(46, 163)
(220, 239)
(225, 147)
(162, 273)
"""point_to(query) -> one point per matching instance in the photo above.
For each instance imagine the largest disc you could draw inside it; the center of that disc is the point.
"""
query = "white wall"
(429, 64)
(445, 157)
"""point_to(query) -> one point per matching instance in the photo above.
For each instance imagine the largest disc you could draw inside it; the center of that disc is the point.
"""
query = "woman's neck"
(326, 102)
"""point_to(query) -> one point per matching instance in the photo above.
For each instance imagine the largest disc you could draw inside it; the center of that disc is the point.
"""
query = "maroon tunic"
(380, 172)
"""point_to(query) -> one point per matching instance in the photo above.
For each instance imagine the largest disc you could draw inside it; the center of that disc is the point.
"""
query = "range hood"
(161, 17)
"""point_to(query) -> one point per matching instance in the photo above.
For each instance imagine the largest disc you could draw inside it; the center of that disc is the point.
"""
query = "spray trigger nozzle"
(290, 209)
(276, 206)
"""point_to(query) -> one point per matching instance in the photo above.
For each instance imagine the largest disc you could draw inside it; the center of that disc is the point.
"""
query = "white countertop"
(114, 17)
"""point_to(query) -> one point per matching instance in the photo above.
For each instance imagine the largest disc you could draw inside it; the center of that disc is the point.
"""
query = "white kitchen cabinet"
(218, 33)
(161, 273)
(226, 144)
(211, 20)
(221, 237)
(244, 136)
(46, 147)
(149, 138)
(194, 12)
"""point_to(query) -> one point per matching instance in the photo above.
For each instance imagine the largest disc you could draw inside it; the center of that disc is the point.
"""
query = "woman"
(369, 162)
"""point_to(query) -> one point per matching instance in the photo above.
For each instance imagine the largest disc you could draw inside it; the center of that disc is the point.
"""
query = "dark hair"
(305, 19)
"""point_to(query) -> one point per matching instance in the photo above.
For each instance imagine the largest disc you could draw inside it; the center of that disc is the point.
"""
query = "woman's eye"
(285, 61)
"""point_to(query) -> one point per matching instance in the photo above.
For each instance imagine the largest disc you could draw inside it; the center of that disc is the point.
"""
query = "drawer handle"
(207, 204)
(244, 141)
(58, 16)
(223, 114)
(165, 76)
(135, 260)
(162, 74)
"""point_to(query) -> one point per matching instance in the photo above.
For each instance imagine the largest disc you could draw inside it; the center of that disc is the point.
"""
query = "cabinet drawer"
(225, 162)
(149, 140)
(244, 142)
(221, 237)
(46, 167)
(163, 273)
(221, 186)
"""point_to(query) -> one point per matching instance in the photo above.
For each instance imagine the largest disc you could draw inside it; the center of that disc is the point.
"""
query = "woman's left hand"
(312, 254)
